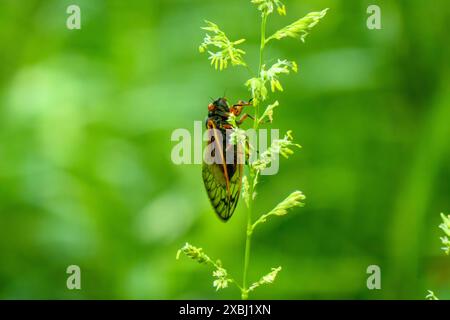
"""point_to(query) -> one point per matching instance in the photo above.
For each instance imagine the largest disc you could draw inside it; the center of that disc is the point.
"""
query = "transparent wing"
(223, 181)
(224, 201)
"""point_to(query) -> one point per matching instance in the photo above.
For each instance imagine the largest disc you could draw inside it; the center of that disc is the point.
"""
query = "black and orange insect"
(223, 178)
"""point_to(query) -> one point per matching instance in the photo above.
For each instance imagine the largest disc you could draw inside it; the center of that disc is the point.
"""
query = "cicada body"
(223, 162)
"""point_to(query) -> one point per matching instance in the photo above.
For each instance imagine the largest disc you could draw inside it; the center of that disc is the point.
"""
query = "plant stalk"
(261, 63)
(248, 241)
(263, 42)
(249, 230)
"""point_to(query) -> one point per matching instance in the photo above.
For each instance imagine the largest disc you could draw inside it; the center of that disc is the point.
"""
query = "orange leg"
(244, 116)
(236, 109)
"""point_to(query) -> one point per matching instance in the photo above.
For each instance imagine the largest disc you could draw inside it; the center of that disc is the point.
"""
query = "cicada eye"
(211, 107)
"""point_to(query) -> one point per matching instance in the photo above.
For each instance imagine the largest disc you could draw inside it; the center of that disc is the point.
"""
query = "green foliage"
(225, 49)
(293, 200)
(267, 279)
(278, 146)
(268, 113)
(445, 226)
(194, 253)
(266, 6)
(258, 86)
(300, 28)
(431, 296)
(220, 274)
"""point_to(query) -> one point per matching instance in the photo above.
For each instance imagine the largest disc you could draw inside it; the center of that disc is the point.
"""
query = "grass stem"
(249, 230)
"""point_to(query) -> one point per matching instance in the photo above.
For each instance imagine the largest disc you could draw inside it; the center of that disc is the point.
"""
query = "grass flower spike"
(431, 296)
(268, 113)
(300, 28)
(194, 253)
(271, 75)
(226, 50)
(268, 278)
(445, 226)
(267, 6)
(279, 146)
(293, 200)
(220, 274)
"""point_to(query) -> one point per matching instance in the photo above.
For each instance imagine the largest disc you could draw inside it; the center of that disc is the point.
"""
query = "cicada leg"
(236, 109)
(243, 117)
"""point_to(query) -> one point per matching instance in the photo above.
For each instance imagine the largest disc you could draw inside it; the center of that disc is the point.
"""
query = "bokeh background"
(86, 176)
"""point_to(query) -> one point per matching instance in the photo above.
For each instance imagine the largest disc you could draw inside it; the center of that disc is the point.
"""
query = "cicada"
(223, 161)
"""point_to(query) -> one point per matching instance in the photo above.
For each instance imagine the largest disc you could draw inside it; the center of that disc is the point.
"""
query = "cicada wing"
(223, 181)
(223, 199)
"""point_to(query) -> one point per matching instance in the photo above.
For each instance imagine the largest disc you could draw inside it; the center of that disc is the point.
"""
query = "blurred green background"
(86, 176)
